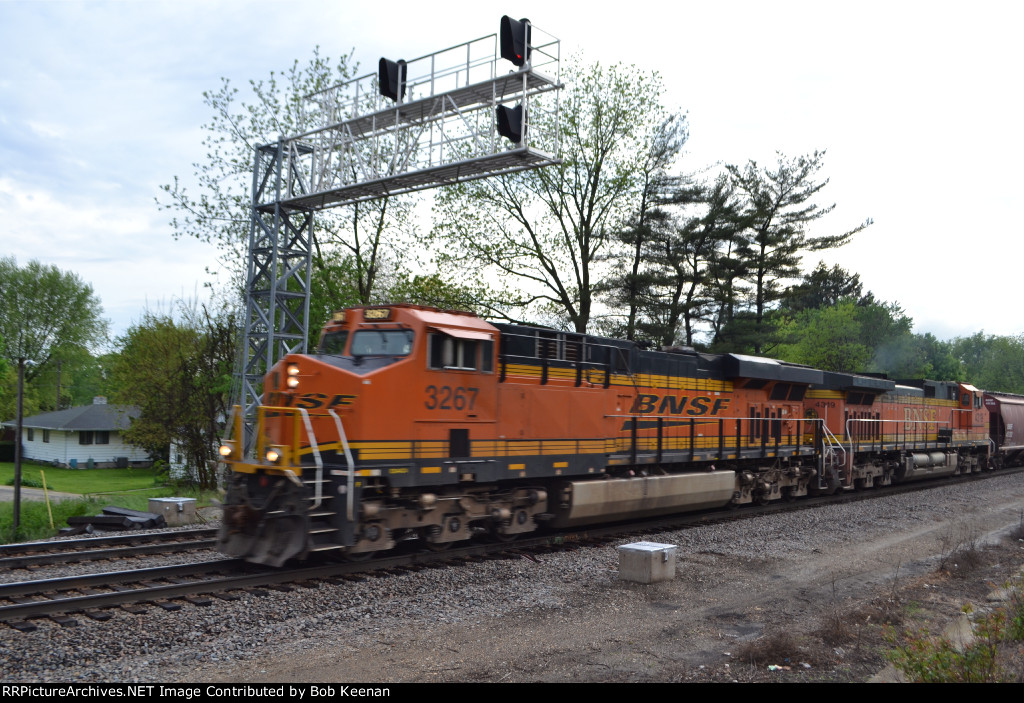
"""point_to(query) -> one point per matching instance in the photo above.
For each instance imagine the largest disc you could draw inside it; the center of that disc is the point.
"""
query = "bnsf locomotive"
(416, 423)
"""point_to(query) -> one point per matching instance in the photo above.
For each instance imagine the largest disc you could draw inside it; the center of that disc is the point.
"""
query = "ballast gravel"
(562, 617)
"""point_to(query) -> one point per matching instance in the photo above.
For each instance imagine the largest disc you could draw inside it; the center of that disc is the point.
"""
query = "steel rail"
(20, 562)
(108, 540)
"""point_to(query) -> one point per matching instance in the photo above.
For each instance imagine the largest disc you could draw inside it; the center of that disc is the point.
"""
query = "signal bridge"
(436, 120)
(441, 129)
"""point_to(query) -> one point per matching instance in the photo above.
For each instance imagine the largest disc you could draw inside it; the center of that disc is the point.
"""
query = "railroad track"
(199, 584)
(29, 554)
(93, 595)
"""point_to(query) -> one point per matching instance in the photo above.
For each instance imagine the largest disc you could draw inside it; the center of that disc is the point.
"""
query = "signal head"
(510, 123)
(391, 78)
(515, 40)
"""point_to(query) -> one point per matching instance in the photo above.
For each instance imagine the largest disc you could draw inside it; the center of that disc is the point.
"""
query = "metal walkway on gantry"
(359, 145)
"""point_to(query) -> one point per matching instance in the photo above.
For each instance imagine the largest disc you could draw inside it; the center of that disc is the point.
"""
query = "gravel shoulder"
(808, 591)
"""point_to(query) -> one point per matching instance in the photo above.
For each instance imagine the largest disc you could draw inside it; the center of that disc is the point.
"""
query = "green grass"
(83, 481)
(35, 520)
(125, 488)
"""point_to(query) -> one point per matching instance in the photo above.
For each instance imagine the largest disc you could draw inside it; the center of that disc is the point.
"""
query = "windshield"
(382, 343)
(334, 343)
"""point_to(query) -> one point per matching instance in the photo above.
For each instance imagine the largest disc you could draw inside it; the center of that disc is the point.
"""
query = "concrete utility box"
(647, 562)
(176, 511)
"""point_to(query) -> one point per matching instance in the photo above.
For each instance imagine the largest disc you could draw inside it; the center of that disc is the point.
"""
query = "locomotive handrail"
(833, 441)
(849, 435)
(349, 504)
(313, 445)
(318, 494)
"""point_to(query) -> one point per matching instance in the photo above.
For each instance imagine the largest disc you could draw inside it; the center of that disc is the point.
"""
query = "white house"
(83, 437)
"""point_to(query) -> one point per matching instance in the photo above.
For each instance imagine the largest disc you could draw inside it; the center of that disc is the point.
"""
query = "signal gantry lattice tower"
(437, 120)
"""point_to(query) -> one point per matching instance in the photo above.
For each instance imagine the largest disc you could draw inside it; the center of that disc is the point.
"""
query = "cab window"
(447, 352)
(334, 343)
(382, 343)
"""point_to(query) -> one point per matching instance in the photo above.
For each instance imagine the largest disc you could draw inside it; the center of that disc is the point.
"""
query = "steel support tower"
(361, 146)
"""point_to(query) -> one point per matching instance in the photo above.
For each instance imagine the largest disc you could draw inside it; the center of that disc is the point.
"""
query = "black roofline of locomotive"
(743, 366)
(854, 382)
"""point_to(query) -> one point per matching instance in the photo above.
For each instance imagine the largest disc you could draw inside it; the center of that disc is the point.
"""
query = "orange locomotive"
(417, 423)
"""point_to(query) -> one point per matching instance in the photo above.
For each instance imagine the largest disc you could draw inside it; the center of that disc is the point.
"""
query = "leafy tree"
(825, 286)
(45, 313)
(917, 356)
(550, 230)
(73, 377)
(851, 335)
(992, 362)
(780, 207)
(362, 239)
(178, 372)
(9, 391)
(829, 338)
(856, 332)
(633, 288)
(692, 259)
(675, 256)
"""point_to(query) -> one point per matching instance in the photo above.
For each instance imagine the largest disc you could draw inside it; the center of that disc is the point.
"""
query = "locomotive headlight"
(226, 450)
(273, 455)
(292, 373)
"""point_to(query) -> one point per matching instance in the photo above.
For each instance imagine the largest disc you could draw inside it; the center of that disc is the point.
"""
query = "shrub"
(27, 482)
(928, 659)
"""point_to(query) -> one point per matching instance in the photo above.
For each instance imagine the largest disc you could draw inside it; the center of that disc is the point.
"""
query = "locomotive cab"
(370, 438)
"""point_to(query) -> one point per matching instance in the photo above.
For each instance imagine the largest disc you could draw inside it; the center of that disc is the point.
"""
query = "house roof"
(83, 417)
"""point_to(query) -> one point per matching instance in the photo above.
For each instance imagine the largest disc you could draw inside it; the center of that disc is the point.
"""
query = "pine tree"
(780, 207)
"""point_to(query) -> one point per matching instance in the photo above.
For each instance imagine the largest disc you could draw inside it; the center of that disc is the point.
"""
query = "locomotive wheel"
(360, 556)
(503, 538)
(433, 546)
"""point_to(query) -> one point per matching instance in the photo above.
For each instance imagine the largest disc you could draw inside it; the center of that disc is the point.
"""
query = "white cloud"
(124, 252)
(916, 104)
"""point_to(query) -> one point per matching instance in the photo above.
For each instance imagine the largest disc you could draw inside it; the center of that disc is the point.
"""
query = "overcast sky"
(917, 103)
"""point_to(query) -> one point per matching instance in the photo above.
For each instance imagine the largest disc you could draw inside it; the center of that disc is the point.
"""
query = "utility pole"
(17, 450)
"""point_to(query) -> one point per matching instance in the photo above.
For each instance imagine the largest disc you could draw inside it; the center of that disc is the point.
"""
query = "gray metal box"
(647, 562)
(176, 511)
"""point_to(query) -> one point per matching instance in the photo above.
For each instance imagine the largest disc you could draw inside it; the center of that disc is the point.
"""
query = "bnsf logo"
(309, 401)
(914, 416)
(678, 405)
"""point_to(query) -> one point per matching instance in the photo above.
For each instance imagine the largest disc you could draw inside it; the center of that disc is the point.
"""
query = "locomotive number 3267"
(448, 398)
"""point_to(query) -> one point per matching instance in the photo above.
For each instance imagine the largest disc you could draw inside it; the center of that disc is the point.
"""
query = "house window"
(46, 436)
(85, 437)
(103, 437)
(31, 434)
